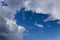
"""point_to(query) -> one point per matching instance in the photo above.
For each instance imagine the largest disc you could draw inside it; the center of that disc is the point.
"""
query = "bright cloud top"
(9, 30)
(51, 7)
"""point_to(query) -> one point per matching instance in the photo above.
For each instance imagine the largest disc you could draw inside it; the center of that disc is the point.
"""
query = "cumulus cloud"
(51, 7)
(9, 30)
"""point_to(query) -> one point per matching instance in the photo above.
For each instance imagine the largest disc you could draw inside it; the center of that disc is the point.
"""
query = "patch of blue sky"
(34, 31)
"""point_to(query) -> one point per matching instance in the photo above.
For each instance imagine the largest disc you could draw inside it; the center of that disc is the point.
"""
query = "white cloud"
(1, 0)
(39, 25)
(51, 7)
(58, 22)
(15, 4)
(8, 27)
(44, 5)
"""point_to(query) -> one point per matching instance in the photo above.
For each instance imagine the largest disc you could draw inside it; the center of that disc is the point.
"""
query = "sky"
(36, 26)
(29, 19)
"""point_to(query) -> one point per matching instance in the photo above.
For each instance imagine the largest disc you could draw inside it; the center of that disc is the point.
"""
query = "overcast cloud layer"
(51, 7)
(9, 30)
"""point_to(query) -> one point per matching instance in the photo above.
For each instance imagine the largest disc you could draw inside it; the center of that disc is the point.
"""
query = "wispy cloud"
(39, 25)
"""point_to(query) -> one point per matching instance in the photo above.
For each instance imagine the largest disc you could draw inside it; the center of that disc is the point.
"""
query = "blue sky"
(27, 19)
